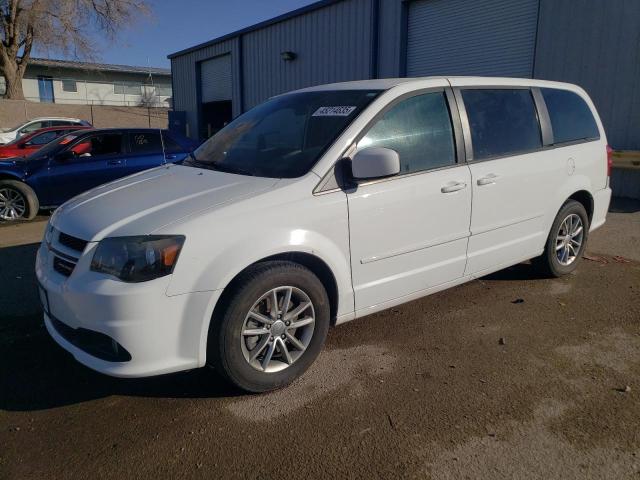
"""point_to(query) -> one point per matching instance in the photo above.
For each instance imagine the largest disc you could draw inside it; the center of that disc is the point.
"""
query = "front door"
(97, 159)
(409, 233)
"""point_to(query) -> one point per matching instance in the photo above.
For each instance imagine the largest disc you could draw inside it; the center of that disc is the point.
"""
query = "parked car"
(315, 208)
(27, 144)
(8, 135)
(80, 161)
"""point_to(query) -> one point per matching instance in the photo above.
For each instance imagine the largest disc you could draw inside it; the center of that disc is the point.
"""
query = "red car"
(33, 141)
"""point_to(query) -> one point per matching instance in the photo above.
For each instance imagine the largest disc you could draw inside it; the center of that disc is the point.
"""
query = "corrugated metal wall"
(332, 45)
(596, 44)
(484, 37)
(216, 79)
(389, 40)
(186, 83)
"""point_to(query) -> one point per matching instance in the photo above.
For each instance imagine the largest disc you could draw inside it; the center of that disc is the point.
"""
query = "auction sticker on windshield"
(339, 111)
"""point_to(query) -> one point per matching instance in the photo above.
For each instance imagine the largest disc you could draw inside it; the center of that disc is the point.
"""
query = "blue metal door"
(45, 89)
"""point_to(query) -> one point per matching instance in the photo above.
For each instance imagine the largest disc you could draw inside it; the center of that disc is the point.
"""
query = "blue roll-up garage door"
(471, 37)
(215, 79)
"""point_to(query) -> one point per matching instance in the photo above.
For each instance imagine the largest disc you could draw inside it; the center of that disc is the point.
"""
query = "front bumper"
(160, 333)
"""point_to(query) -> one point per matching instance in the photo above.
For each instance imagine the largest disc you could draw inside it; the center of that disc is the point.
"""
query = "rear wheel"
(566, 242)
(17, 201)
(271, 328)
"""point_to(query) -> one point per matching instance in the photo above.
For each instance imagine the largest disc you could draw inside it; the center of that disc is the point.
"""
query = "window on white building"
(69, 85)
(163, 90)
(127, 88)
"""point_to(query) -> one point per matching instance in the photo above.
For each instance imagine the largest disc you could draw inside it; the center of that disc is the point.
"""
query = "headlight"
(48, 233)
(137, 259)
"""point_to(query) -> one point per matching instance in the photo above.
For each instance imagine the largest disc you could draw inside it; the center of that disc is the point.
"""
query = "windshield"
(284, 137)
(16, 127)
(51, 147)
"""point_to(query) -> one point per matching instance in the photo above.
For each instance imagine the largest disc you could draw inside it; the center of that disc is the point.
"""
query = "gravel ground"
(510, 376)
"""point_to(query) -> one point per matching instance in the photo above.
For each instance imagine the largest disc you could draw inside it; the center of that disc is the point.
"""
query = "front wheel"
(17, 201)
(271, 328)
(566, 242)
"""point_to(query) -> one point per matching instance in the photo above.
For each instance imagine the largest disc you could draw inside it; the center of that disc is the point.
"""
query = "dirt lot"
(426, 390)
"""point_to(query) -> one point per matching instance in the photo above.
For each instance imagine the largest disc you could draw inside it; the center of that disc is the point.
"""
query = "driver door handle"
(453, 187)
(114, 162)
(490, 179)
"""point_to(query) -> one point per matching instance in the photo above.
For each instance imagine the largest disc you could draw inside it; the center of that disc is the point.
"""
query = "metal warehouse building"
(594, 43)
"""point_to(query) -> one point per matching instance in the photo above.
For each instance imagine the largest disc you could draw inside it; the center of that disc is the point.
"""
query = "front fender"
(12, 174)
(216, 271)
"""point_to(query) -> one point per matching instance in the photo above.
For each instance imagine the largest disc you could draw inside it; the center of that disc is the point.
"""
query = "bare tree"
(68, 27)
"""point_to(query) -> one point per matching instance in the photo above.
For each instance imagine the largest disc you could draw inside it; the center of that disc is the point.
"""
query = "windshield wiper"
(190, 160)
(234, 169)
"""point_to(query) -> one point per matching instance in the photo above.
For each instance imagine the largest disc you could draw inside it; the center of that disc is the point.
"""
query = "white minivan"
(318, 207)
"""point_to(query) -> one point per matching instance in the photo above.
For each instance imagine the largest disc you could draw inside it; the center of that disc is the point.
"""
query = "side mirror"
(375, 162)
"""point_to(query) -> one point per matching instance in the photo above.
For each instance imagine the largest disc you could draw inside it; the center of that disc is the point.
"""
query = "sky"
(179, 24)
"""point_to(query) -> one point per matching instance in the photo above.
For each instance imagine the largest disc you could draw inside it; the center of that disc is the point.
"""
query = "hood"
(7, 135)
(142, 203)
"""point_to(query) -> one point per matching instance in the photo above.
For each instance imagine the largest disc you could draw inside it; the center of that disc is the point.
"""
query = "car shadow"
(37, 374)
(521, 271)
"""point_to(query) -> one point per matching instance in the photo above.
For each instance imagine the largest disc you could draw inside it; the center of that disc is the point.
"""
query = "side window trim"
(543, 117)
(464, 117)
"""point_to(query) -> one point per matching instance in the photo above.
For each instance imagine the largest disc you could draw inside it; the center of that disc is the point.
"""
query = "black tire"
(548, 263)
(28, 196)
(225, 348)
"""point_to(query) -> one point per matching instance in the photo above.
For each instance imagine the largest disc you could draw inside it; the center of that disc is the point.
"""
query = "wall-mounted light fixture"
(288, 56)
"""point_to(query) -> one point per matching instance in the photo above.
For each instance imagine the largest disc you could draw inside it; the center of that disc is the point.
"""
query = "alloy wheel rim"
(569, 239)
(278, 329)
(13, 205)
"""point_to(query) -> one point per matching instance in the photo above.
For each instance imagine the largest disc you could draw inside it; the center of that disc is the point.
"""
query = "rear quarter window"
(571, 117)
(145, 142)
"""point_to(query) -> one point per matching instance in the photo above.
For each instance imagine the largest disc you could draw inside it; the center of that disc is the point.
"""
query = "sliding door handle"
(453, 187)
(490, 179)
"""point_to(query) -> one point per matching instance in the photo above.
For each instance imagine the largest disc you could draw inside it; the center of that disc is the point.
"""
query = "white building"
(81, 83)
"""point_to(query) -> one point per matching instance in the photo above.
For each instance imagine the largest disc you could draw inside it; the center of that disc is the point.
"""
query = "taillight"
(609, 160)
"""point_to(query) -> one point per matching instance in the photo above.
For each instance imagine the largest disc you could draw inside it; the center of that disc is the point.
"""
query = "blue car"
(80, 161)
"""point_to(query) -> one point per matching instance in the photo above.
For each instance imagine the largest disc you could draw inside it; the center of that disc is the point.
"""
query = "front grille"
(73, 243)
(94, 343)
(62, 266)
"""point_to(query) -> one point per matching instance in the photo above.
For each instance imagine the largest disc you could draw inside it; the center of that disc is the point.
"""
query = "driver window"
(108, 144)
(419, 129)
(43, 138)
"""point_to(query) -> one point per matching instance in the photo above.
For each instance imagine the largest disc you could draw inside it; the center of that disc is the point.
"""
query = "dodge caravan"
(318, 207)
